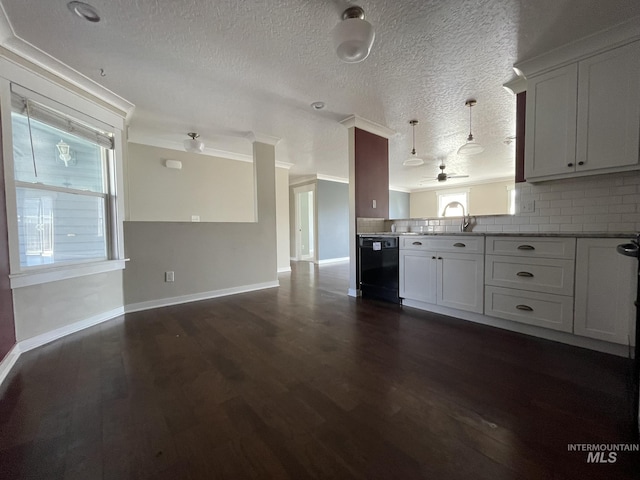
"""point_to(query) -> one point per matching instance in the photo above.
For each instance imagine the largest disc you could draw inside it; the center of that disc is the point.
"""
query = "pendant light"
(353, 36)
(471, 147)
(192, 145)
(413, 160)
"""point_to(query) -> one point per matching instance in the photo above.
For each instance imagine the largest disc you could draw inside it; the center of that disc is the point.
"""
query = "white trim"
(64, 272)
(30, 53)
(284, 269)
(9, 360)
(166, 302)
(354, 293)
(399, 189)
(328, 261)
(296, 181)
(330, 178)
(368, 126)
(285, 165)
(516, 85)
(43, 339)
(254, 137)
(178, 146)
(557, 336)
(438, 186)
(607, 39)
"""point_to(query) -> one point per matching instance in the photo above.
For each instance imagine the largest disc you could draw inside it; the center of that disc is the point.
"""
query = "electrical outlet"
(169, 276)
(528, 206)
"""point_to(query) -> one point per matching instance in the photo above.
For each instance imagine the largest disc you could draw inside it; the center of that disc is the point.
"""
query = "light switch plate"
(528, 206)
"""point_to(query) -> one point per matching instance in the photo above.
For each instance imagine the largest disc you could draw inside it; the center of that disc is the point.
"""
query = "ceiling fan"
(443, 176)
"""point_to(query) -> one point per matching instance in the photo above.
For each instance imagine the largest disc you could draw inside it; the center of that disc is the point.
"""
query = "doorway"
(305, 222)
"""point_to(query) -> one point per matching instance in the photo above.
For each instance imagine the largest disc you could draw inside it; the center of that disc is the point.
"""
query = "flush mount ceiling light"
(353, 36)
(192, 145)
(413, 160)
(471, 147)
(84, 10)
(317, 105)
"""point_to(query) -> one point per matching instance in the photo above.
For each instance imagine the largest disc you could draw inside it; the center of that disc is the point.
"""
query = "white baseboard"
(9, 361)
(166, 302)
(332, 260)
(284, 269)
(43, 339)
(354, 292)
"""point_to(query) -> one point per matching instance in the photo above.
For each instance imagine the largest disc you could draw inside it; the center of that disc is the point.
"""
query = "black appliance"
(632, 249)
(379, 274)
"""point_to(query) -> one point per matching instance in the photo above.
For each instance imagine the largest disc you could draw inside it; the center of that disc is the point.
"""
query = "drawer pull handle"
(433, 258)
(458, 244)
(417, 243)
(525, 274)
(526, 308)
(526, 247)
(439, 258)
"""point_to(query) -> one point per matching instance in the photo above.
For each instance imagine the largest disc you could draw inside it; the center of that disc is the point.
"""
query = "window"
(455, 210)
(62, 186)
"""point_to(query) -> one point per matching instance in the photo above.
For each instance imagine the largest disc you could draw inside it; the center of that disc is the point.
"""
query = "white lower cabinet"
(605, 290)
(452, 280)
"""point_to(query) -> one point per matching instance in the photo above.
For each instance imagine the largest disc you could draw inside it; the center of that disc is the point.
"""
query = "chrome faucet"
(466, 221)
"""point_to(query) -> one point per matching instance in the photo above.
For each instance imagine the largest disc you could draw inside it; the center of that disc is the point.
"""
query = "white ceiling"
(227, 67)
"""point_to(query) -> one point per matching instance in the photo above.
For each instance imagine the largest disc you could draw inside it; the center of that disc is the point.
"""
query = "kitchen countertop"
(506, 234)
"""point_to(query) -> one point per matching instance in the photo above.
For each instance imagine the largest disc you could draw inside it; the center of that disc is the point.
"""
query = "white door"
(461, 281)
(418, 275)
(304, 198)
(605, 291)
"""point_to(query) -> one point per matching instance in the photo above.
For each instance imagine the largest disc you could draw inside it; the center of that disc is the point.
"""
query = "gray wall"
(205, 256)
(398, 204)
(333, 220)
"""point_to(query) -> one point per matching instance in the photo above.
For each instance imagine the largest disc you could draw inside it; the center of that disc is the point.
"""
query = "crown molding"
(439, 187)
(516, 85)
(331, 178)
(30, 54)
(399, 189)
(603, 40)
(171, 145)
(285, 165)
(368, 126)
(262, 138)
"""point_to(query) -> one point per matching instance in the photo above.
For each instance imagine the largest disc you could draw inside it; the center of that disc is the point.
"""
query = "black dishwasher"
(378, 260)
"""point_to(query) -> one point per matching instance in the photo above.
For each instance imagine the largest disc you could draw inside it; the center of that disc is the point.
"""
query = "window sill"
(53, 274)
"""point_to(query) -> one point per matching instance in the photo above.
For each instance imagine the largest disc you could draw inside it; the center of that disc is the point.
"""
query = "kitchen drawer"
(533, 308)
(439, 243)
(544, 247)
(545, 275)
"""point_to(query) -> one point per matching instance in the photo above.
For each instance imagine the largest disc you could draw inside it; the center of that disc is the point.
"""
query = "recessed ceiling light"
(317, 105)
(84, 10)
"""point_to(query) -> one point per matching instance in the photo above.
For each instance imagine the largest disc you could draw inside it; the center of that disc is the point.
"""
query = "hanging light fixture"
(353, 36)
(192, 145)
(471, 147)
(413, 160)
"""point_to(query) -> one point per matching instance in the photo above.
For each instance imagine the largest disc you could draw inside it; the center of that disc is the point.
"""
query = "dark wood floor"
(305, 382)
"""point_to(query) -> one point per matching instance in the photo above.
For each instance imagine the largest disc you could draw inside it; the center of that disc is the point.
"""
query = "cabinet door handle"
(433, 258)
(526, 308)
(458, 244)
(526, 247)
(417, 243)
(580, 163)
(525, 274)
(569, 164)
(439, 258)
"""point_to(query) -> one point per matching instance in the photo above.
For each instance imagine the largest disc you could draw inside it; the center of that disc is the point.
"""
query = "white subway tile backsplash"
(539, 220)
(560, 203)
(626, 190)
(548, 212)
(596, 209)
(529, 228)
(572, 210)
(625, 208)
(571, 227)
(494, 228)
(573, 194)
(551, 196)
(595, 227)
(622, 227)
(549, 228)
(597, 192)
(634, 198)
(560, 219)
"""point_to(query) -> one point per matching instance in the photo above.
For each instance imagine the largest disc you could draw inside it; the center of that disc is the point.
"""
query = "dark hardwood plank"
(305, 382)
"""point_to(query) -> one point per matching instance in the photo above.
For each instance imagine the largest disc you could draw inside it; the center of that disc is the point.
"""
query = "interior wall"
(215, 189)
(206, 257)
(49, 306)
(282, 218)
(399, 204)
(484, 199)
(7, 325)
(333, 220)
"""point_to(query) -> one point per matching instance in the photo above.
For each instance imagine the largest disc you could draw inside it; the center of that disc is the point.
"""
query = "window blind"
(61, 121)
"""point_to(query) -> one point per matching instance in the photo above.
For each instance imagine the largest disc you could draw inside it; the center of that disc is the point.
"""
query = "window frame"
(84, 109)
(444, 193)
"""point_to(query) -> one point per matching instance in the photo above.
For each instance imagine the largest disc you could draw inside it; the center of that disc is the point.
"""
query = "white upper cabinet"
(609, 109)
(550, 139)
(584, 118)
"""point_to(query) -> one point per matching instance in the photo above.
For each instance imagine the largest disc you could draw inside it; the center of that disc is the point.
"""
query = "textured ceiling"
(227, 67)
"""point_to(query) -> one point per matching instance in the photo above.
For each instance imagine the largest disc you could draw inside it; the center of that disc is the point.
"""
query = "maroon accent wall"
(521, 107)
(371, 175)
(7, 324)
